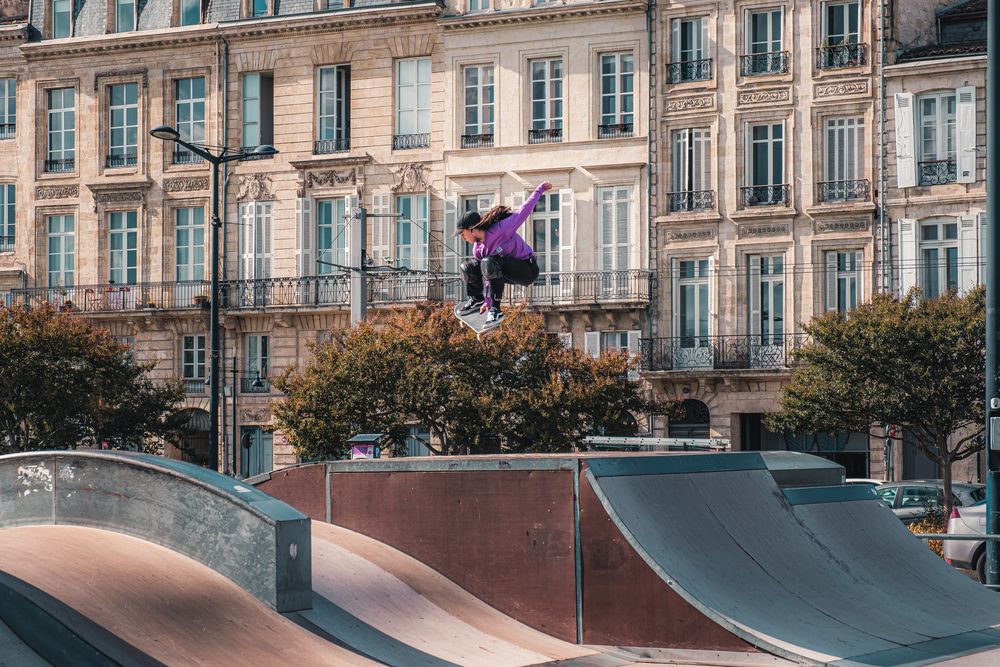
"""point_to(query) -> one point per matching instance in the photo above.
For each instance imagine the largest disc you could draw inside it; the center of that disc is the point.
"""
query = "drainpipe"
(224, 80)
(651, 173)
(884, 226)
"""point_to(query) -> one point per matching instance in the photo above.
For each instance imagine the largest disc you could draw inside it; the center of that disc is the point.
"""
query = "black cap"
(468, 221)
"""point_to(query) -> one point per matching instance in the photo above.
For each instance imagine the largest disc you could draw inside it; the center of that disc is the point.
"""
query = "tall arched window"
(690, 421)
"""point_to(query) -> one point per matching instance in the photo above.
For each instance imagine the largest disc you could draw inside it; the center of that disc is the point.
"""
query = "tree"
(67, 383)
(517, 390)
(916, 363)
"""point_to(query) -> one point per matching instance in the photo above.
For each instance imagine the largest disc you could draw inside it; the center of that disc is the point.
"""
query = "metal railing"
(841, 55)
(407, 141)
(194, 385)
(7, 243)
(8, 130)
(937, 172)
(719, 352)
(692, 200)
(477, 140)
(615, 131)
(116, 161)
(391, 287)
(689, 70)
(182, 156)
(254, 384)
(327, 146)
(756, 64)
(258, 293)
(60, 166)
(548, 135)
(844, 190)
(109, 297)
(764, 195)
(585, 288)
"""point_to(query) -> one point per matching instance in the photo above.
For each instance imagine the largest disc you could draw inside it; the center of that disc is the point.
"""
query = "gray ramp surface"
(732, 545)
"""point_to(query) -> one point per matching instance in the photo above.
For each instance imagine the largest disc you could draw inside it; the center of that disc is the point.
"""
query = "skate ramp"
(722, 534)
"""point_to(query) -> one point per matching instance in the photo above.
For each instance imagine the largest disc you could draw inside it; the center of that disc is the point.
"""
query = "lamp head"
(257, 383)
(165, 133)
(264, 149)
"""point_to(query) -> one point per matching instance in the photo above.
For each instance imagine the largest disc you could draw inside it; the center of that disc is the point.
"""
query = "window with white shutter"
(690, 184)
(380, 231)
(332, 236)
(255, 240)
(843, 280)
(690, 59)
(936, 138)
(411, 231)
(939, 257)
(765, 168)
(906, 161)
(966, 135)
(844, 160)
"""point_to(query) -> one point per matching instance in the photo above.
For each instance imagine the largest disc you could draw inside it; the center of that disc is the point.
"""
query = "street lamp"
(167, 133)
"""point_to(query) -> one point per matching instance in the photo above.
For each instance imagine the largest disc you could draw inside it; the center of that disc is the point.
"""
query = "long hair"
(493, 216)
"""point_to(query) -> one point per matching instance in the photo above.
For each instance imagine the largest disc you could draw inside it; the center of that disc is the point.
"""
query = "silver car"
(911, 499)
(967, 554)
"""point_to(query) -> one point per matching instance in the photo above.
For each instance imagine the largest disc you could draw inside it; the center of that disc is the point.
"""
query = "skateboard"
(477, 322)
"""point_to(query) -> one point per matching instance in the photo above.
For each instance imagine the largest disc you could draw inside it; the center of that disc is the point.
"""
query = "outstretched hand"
(546, 186)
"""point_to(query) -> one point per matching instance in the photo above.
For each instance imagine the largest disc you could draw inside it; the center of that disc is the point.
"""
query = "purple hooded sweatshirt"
(503, 240)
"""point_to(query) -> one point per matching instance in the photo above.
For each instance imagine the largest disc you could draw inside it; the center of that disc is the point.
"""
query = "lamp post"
(167, 133)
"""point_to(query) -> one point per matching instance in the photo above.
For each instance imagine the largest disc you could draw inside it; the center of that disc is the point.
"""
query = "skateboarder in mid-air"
(499, 256)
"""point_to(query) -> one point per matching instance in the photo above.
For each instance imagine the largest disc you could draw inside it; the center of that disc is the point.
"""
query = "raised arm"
(507, 227)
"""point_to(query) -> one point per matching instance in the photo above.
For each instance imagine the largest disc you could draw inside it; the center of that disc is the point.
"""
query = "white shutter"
(566, 229)
(982, 248)
(351, 204)
(906, 162)
(265, 223)
(633, 353)
(381, 243)
(753, 294)
(675, 40)
(592, 343)
(304, 218)
(859, 262)
(831, 280)
(967, 264)
(247, 239)
(966, 134)
(711, 296)
(706, 41)
(516, 202)
(675, 286)
(680, 159)
(702, 161)
(907, 255)
(451, 256)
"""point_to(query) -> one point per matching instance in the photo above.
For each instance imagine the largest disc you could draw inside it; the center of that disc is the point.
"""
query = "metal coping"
(670, 465)
(814, 495)
(443, 464)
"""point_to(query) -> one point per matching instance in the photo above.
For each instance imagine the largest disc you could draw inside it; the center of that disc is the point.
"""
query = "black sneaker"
(494, 315)
(471, 305)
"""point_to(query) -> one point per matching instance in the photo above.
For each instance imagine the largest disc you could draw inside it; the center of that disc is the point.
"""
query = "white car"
(967, 554)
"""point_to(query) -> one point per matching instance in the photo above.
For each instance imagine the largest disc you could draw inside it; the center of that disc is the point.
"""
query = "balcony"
(615, 131)
(549, 135)
(691, 200)
(937, 172)
(7, 243)
(194, 385)
(764, 195)
(477, 140)
(310, 291)
(8, 130)
(408, 141)
(60, 166)
(110, 298)
(253, 383)
(758, 64)
(182, 156)
(831, 191)
(841, 55)
(689, 70)
(118, 161)
(719, 352)
(328, 146)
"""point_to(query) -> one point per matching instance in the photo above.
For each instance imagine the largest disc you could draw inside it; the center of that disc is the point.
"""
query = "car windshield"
(977, 494)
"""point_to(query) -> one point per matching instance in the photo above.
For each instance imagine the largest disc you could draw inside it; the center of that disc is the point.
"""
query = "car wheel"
(981, 567)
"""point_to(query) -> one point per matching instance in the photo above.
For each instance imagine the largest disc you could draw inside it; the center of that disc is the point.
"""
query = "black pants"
(499, 271)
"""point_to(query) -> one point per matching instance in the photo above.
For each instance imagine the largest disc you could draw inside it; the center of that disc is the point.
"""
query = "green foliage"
(517, 390)
(67, 383)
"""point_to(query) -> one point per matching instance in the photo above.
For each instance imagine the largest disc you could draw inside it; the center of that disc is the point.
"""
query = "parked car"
(967, 554)
(864, 481)
(911, 499)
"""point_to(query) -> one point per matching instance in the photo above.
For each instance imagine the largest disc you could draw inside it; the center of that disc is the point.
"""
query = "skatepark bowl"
(594, 559)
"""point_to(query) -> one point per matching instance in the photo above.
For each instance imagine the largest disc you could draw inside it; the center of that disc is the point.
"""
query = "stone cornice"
(331, 161)
(548, 12)
(17, 32)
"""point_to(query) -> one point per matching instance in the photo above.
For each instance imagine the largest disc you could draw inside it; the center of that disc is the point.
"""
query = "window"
(8, 217)
(61, 250)
(843, 280)
(332, 236)
(936, 138)
(691, 302)
(258, 109)
(123, 248)
(190, 12)
(334, 129)
(189, 242)
(413, 103)
(479, 5)
(764, 44)
(689, 51)
(8, 108)
(258, 8)
(123, 132)
(546, 100)
(257, 355)
(617, 92)
(766, 299)
(189, 112)
(546, 240)
(479, 203)
(61, 153)
(193, 359)
(124, 15)
(938, 257)
(62, 18)
(411, 231)
(840, 47)
(614, 219)
(255, 240)
(844, 160)
(478, 130)
(766, 165)
(690, 183)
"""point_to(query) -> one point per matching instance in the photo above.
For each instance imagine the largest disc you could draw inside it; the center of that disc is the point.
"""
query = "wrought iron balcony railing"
(692, 200)
(719, 352)
(547, 135)
(757, 64)
(259, 293)
(60, 166)
(408, 141)
(125, 160)
(182, 156)
(477, 140)
(7, 243)
(327, 146)
(252, 383)
(110, 298)
(615, 131)
(841, 55)
(937, 172)
(764, 195)
(194, 385)
(689, 70)
(844, 190)
(8, 130)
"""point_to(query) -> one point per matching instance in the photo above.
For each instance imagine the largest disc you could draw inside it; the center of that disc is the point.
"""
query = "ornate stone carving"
(687, 103)
(765, 96)
(763, 230)
(57, 191)
(141, 71)
(255, 415)
(839, 89)
(189, 184)
(841, 225)
(330, 177)
(115, 197)
(691, 235)
(255, 187)
(411, 178)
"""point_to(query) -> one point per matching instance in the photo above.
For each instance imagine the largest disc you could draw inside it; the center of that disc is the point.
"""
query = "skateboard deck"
(477, 322)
